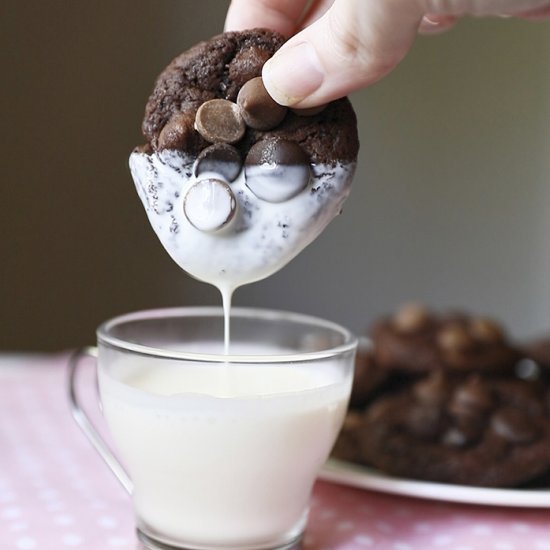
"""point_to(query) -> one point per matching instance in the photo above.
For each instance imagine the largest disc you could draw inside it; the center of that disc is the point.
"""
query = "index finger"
(279, 15)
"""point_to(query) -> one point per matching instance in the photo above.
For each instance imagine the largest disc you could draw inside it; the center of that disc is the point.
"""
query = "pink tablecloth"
(55, 492)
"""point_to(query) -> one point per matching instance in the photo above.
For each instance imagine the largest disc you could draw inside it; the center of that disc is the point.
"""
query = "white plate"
(367, 478)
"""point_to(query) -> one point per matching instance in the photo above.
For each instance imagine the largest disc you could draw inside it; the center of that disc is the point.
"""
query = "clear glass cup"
(219, 451)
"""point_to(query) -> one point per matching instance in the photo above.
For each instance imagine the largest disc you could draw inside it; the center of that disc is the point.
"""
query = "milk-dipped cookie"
(234, 184)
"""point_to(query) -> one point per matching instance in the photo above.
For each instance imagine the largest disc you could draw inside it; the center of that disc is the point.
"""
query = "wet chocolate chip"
(411, 317)
(258, 109)
(276, 169)
(514, 426)
(177, 132)
(486, 330)
(220, 121)
(209, 204)
(222, 159)
(310, 111)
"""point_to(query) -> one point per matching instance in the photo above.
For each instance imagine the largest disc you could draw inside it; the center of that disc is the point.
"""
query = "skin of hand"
(338, 46)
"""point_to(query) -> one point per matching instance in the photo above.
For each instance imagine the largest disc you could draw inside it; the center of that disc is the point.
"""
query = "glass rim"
(105, 337)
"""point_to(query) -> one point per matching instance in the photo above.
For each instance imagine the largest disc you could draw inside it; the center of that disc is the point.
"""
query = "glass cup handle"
(86, 425)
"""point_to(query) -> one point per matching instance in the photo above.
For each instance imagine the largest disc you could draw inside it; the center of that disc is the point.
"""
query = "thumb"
(352, 45)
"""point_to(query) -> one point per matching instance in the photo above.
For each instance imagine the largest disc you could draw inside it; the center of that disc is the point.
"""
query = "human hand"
(338, 46)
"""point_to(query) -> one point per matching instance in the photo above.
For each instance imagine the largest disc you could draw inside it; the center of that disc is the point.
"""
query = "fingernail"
(293, 73)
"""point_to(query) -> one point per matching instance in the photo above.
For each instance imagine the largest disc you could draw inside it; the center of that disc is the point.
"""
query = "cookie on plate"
(368, 377)
(470, 430)
(416, 340)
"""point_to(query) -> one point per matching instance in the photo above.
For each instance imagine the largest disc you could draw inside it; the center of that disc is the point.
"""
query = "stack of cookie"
(449, 398)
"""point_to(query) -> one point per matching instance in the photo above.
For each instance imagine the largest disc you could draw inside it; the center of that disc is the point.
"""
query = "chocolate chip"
(462, 436)
(514, 426)
(454, 437)
(424, 422)
(433, 389)
(220, 121)
(310, 111)
(276, 169)
(220, 158)
(410, 318)
(454, 339)
(486, 330)
(259, 110)
(470, 398)
(209, 204)
(177, 132)
(247, 64)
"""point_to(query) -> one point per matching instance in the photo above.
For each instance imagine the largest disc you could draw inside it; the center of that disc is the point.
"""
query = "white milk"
(222, 463)
(263, 237)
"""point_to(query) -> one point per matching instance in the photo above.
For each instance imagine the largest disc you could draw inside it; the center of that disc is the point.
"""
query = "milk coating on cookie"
(261, 238)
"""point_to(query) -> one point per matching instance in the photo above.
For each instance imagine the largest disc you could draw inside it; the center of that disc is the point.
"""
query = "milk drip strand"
(234, 189)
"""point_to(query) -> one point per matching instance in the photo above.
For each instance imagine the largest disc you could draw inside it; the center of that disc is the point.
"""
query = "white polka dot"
(363, 540)
(345, 526)
(80, 485)
(423, 527)
(365, 509)
(402, 512)
(520, 527)
(481, 529)
(7, 496)
(327, 514)
(384, 527)
(19, 526)
(442, 540)
(71, 539)
(117, 541)
(63, 519)
(55, 506)
(401, 546)
(98, 505)
(107, 522)
(47, 494)
(542, 544)
(25, 543)
(11, 512)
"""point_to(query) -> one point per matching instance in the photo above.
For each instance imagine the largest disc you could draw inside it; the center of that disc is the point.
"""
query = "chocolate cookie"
(348, 446)
(227, 69)
(234, 184)
(416, 340)
(467, 430)
(367, 376)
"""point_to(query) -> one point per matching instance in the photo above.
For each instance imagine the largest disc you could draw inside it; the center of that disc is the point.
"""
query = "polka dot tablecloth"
(56, 493)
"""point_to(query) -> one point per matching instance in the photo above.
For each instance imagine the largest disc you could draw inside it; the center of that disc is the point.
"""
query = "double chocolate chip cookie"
(234, 184)
(416, 340)
(467, 430)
